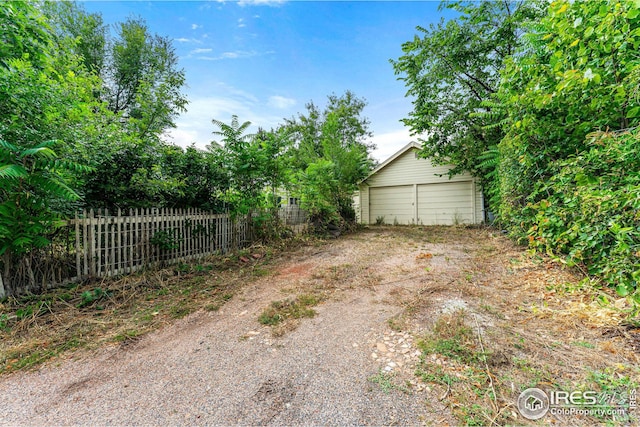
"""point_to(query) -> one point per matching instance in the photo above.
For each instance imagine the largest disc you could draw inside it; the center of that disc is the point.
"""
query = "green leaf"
(622, 290)
(634, 112)
(13, 172)
(40, 151)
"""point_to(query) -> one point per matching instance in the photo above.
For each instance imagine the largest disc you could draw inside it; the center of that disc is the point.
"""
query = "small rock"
(374, 356)
(354, 345)
(381, 347)
(392, 364)
(405, 350)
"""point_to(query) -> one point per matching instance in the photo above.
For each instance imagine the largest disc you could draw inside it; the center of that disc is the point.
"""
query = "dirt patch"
(410, 325)
(298, 271)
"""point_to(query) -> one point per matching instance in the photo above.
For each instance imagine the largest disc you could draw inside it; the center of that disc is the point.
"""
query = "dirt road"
(354, 362)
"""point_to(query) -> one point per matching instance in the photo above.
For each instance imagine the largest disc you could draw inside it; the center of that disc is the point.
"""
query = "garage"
(408, 189)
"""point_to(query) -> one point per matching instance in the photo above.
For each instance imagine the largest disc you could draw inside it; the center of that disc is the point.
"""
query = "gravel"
(225, 368)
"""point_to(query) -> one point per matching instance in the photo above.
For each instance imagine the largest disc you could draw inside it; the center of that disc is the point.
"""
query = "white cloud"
(195, 26)
(187, 40)
(280, 102)
(200, 50)
(195, 125)
(241, 23)
(182, 137)
(234, 55)
(389, 143)
(243, 3)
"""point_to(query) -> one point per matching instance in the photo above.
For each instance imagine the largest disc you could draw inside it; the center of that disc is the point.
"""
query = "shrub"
(591, 210)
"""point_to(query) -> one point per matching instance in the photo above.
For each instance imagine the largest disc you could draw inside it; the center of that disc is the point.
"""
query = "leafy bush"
(591, 210)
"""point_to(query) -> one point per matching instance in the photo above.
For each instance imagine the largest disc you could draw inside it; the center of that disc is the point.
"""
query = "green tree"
(332, 145)
(138, 96)
(239, 156)
(24, 33)
(142, 81)
(87, 30)
(451, 70)
(34, 184)
(46, 95)
(576, 74)
(568, 163)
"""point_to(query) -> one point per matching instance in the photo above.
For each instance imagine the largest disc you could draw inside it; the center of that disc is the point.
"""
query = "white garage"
(406, 189)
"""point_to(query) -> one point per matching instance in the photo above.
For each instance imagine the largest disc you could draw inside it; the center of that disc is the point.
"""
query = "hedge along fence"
(99, 244)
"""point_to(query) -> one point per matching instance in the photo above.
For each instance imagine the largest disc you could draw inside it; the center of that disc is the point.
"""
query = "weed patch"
(453, 358)
(387, 382)
(281, 311)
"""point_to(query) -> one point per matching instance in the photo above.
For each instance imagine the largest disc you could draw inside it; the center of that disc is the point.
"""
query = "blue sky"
(263, 60)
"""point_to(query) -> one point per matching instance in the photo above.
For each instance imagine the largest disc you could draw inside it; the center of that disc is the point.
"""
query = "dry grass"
(36, 328)
(529, 322)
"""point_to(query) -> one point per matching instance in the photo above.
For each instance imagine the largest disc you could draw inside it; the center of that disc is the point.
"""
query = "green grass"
(297, 308)
(451, 337)
(387, 383)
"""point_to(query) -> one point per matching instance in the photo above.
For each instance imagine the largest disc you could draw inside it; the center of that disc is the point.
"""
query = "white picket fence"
(99, 243)
(108, 245)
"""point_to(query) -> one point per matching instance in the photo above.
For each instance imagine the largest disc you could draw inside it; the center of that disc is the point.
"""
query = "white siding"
(394, 204)
(479, 200)
(356, 206)
(408, 169)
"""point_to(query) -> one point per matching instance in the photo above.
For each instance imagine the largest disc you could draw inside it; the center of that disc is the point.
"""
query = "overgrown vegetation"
(72, 89)
(544, 108)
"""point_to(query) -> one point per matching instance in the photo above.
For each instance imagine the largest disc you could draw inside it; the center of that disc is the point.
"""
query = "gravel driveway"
(345, 366)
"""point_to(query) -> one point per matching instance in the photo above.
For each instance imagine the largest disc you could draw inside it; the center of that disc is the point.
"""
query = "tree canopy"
(451, 69)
